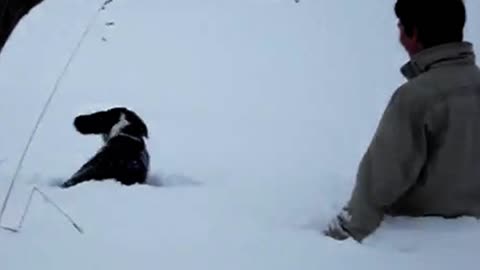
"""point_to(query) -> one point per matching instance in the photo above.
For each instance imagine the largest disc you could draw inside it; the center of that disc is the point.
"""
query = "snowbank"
(259, 112)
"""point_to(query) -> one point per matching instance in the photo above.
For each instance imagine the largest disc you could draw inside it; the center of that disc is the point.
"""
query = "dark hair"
(436, 21)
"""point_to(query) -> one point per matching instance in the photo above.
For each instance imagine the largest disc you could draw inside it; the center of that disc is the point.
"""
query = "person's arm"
(389, 167)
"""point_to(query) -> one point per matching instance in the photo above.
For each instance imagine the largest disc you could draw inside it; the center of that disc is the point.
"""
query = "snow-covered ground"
(259, 111)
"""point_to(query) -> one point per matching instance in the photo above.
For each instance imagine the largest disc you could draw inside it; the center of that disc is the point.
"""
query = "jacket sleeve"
(390, 166)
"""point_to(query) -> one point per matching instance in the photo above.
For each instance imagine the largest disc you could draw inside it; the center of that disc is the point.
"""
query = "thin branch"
(49, 201)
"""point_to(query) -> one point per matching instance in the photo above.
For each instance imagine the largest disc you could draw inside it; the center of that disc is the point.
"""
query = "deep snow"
(259, 111)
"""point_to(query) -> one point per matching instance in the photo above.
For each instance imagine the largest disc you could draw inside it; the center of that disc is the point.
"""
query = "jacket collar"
(451, 53)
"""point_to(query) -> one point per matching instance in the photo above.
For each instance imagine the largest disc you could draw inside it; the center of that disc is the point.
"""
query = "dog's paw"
(61, 184)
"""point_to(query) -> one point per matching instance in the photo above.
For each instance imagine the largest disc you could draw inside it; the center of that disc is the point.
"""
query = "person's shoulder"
(424, 86)
(410, 91)
(440, 83)
(413, 97)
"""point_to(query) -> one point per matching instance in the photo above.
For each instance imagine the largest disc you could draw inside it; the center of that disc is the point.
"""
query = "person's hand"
(336, 229)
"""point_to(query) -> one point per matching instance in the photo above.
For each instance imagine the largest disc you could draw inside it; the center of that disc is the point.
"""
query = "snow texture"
(259, 112)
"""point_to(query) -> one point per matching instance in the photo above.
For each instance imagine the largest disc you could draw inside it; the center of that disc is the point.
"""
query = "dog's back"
(128, 159)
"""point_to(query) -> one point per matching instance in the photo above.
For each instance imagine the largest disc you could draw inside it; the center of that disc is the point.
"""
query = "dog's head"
(110, 123)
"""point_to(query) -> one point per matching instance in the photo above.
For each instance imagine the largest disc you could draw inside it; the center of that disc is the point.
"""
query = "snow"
(258, 110)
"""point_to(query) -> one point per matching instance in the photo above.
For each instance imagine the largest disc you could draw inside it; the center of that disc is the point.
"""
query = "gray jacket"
(424, 159)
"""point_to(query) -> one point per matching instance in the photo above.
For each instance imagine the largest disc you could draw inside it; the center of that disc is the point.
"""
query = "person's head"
(427, 23)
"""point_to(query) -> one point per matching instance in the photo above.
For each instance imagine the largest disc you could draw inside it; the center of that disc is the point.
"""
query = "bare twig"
(27, 207)
(49, 201)
(78, 228)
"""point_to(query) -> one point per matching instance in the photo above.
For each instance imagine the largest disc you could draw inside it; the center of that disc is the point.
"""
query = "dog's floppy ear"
(83, 125)
(96, 123)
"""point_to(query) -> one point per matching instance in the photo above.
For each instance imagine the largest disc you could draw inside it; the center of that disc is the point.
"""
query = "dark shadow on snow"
(154, 180)
(172, 180)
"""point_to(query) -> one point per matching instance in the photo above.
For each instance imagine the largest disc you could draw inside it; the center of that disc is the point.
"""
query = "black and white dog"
(124, 156)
